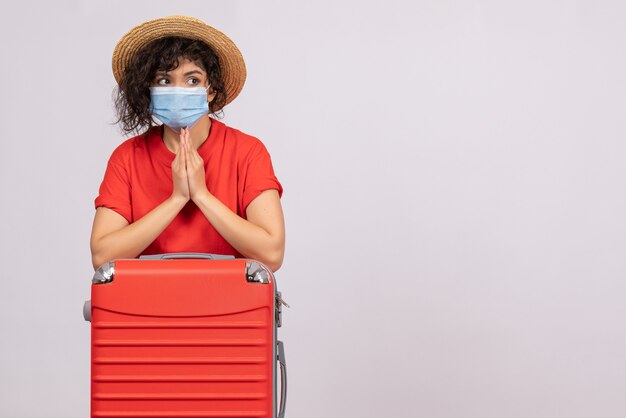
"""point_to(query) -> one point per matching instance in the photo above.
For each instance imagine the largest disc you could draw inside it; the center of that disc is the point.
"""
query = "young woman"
(191, 184)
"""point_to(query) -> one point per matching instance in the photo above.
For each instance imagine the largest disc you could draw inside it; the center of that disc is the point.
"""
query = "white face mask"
(179, 107)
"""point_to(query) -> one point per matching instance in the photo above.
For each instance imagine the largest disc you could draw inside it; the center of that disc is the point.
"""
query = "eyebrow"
(161, 72)
(193, 72)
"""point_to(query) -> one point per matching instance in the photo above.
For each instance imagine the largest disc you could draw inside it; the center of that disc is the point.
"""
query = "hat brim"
(232, 65)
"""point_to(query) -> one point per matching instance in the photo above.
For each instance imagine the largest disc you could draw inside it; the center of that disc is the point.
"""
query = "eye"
(162, 81)
(193, 81)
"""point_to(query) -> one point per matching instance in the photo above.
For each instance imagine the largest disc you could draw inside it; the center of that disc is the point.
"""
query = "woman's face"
(187, 74)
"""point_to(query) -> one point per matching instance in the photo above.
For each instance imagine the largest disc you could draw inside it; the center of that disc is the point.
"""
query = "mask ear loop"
(209, 103)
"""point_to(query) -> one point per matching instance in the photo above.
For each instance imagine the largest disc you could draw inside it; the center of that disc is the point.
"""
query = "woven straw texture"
(231, 61)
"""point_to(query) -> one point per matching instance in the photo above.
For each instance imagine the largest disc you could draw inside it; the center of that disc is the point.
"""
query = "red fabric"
(139, 177)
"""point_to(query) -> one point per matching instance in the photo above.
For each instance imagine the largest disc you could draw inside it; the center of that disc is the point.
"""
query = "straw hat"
(231, 61)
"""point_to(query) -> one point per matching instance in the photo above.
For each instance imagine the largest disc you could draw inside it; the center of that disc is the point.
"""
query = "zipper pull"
(280, 300)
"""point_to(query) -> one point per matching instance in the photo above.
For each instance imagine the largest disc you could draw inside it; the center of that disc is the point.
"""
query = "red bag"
(185, 335)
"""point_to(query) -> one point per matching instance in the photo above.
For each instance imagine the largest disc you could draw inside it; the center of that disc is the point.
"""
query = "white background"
(454, 196)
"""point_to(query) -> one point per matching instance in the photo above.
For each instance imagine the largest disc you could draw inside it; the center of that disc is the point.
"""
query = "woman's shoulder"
(242, 141)
(123, 152)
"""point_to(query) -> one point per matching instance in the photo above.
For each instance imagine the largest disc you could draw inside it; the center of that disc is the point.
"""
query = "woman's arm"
(113, 237)
(261, 236)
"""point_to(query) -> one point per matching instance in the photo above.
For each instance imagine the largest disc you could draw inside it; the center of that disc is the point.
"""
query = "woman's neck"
(199, 133)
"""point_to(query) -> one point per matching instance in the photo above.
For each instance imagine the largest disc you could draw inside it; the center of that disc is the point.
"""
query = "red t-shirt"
(138, 178)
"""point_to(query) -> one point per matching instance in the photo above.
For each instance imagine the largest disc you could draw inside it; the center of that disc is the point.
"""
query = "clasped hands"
(188, 172)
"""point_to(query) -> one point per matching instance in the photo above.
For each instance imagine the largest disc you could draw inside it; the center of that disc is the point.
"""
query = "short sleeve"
(115, 187)
(259, 175)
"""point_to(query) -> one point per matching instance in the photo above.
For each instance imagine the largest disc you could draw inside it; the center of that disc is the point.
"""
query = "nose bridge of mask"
(167, 90)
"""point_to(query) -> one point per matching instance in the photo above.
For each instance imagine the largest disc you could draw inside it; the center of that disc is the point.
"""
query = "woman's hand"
(195, 168)
(179, 173)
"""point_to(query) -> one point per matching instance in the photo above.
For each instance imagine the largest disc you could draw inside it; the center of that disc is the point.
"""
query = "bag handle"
(173, 256)
(283, 379)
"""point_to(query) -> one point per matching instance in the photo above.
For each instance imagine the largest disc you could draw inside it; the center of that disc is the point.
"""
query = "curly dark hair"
(132, 96)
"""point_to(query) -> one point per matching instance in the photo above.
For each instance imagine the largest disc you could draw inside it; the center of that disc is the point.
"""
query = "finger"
(181, 149)
(192, 151)
(188, 146)
(198, 159)
(182, 134)
(194, 157)
(188, 142)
